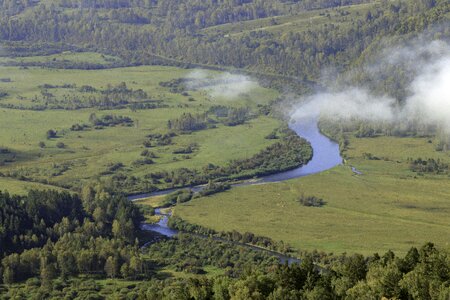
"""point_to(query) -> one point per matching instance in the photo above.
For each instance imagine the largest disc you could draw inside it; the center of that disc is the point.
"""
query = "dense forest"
(170, 32)
(51, 234)
(99, 249)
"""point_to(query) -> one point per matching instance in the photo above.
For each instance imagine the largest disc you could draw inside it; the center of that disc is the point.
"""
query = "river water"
(326, 155)
(160, 227)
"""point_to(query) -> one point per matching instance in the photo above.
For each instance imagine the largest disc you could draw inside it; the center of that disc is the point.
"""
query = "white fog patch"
(430, 102)
(346, 105)
(428, 95)
(224, 85)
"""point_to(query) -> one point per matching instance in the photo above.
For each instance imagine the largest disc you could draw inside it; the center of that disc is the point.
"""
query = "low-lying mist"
(225, 85)
(427, 97)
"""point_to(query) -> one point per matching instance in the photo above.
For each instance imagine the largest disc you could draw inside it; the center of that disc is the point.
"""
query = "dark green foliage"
(187, 122)
(428, 166)
(236, 116)
(146, 153)
(176, 33)
(78, 127)
(272, 135)
(178, 197)
(113, 167)
(51, 134)
(87, 89)
(25, 220)
(213, 188)
(112, 97)
(229, 116)
(189, 252)
(186, 150)
(370, 156)
(231, 236)
(364, 131)
(4, 150)
(219, 111)
(143, 162)
(51, 234)
(159, 139)
(130, 183)
(311, 201)
(175, 85)
(247, 273)
(109, 120)
(291, 152)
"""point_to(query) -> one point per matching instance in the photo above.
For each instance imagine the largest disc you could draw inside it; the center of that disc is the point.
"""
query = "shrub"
(51, 134)
(311, 201)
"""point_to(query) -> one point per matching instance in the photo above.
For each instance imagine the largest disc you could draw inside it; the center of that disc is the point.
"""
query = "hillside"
(172, 149)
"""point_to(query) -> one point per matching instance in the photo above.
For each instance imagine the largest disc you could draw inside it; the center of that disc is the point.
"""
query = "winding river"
(326, 155)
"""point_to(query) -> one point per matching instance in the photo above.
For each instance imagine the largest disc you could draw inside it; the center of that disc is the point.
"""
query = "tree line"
(56, 234)
(177, 35)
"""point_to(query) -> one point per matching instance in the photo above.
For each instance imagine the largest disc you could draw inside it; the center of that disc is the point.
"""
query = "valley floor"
(387, 207)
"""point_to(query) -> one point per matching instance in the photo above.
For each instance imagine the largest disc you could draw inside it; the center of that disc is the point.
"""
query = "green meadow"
(305, 20)
(18, 187)
(87, 154)
(67, 56)
(387, 207)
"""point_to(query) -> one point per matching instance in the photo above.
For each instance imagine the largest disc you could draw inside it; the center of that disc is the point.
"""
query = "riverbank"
(326, 155)
(359, 209)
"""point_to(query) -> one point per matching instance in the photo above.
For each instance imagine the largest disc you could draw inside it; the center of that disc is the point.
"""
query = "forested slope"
(174, 32)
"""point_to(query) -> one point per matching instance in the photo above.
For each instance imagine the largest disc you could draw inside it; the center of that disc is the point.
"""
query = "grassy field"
(388, 207)
(17, 187)
(90, 152)
(68, 56)
(306, 20)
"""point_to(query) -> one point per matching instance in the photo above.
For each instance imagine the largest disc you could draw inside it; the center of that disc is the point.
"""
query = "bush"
(178, 197)
(142, 162)
(213, 188)
(311, 201)
(146, 153)
(51, 134)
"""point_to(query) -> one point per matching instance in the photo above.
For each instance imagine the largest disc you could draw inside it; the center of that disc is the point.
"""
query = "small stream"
(160, 227)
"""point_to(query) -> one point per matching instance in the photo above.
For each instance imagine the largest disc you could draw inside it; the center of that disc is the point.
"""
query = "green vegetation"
(234, 237)
(311, 201)
(50, 234)
(190, 267)
(291, 152)
(359, 209)
(66, 148)
(102, 98)
(276, 40)
(428, 166)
